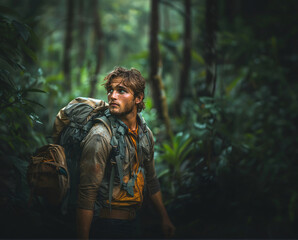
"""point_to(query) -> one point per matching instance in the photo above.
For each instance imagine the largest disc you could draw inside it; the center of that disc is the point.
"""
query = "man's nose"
(114, 95)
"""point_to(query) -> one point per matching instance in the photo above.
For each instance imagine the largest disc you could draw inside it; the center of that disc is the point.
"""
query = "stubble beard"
(127, 110)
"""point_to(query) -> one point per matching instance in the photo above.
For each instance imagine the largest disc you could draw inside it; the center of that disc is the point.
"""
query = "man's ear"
(139, 98)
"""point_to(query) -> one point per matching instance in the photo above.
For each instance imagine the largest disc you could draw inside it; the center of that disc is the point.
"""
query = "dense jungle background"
(221, 100)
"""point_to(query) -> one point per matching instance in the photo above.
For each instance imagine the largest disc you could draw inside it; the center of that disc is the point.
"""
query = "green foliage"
(173, 158)
(18, 87)
(230, 170)
(245, 171)
(177, 150)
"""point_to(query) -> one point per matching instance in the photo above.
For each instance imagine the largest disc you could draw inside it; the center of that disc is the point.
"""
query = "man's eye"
(122, 91)
(110, 90)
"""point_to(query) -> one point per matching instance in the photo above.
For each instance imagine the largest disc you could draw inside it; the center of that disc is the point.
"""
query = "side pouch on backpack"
(47, 174)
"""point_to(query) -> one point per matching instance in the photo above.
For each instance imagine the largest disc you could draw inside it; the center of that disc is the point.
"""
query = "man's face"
(121, 99)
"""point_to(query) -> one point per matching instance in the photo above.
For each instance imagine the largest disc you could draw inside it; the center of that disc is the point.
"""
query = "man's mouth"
(113, 104)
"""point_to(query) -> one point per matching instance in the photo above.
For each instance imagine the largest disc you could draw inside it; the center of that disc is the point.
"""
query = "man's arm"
(167, 226)
(84, 219)
(155, 193)
(92, 165)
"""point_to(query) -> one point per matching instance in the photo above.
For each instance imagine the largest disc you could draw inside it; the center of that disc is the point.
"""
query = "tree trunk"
(210, 56)
(67, 45)
(154, 56)
(210, 59)
(232, 9)
(184, 75)
(81, 39)
(157, 87)
(98, 47)
(166, 18)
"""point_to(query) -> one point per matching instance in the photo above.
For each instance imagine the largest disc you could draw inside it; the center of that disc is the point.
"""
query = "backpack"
(72, 124)
(48, 175)
(53, 171)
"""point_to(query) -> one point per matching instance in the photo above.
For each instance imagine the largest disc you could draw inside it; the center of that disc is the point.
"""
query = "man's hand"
(166, 224)
(84, 219)
(168, 228)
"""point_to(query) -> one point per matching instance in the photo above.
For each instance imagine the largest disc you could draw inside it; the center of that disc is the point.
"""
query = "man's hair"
(132, 79)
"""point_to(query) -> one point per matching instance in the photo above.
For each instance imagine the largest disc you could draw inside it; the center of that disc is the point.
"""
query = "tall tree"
(157, 87)
(68, 44)
(232, 9)
(81, 34)
(185, 72)
(210, 54)
(98, 46)
(210, 60)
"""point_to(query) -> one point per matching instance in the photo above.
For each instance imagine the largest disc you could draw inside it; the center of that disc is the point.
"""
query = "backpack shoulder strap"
(103, 119)
(145, 129)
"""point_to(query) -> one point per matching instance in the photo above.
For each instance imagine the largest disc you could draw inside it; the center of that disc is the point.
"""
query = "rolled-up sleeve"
(151, 177)
(95, 153)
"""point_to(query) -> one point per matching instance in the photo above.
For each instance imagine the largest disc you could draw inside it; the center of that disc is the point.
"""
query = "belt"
(122, 214)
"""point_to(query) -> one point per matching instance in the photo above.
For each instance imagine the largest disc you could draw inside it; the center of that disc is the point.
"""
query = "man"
(125, 89)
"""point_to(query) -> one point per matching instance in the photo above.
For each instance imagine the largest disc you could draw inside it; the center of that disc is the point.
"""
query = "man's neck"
(130, 120)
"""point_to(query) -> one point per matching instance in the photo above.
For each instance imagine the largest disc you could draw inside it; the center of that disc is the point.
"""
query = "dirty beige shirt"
(95, 156)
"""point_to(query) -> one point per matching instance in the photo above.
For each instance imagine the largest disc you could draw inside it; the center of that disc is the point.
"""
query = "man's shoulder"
(101, 131)
(143, 123)
(149, 133)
